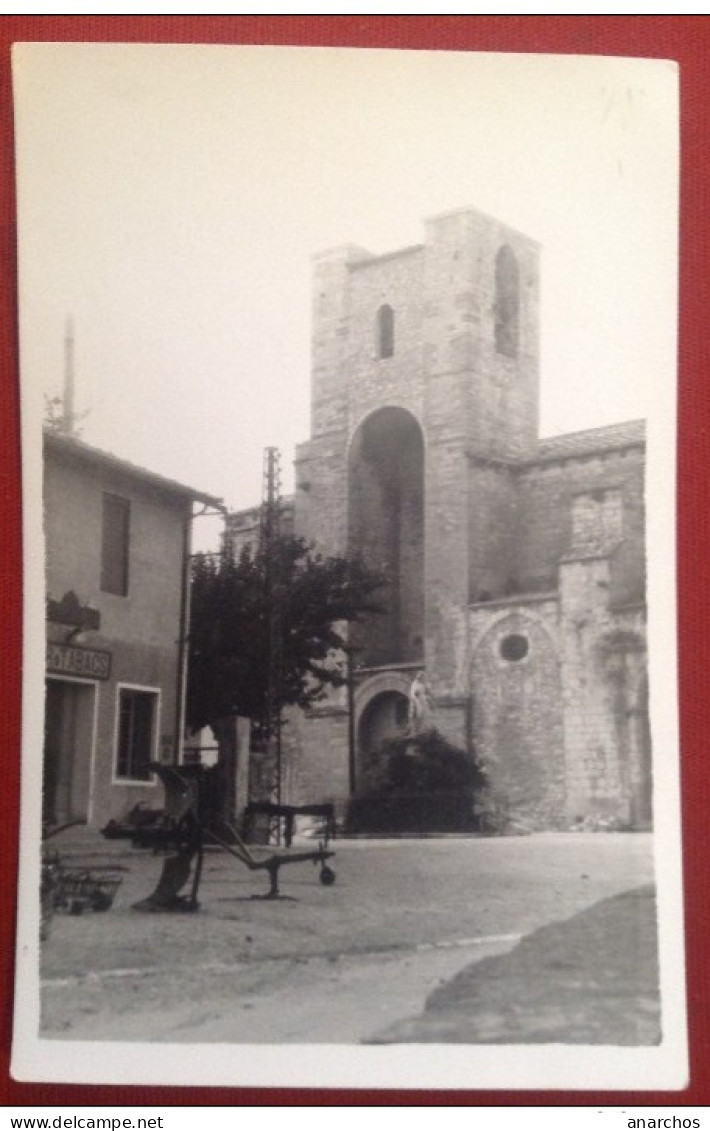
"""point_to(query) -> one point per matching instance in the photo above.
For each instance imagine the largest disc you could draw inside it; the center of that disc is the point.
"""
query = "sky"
(171, 198)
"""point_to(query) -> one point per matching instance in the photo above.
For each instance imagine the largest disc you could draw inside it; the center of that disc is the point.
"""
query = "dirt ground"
(350, 963)
(589, 979)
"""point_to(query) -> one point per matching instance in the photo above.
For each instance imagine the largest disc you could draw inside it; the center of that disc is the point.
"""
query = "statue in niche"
(420, 716)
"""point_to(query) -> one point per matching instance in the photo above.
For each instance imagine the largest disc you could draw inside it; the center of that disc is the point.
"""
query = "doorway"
(68, 745)
(384, 718)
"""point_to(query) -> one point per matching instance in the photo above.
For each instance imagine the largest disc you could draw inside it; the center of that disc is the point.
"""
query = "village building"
(516, 565)
(242, 529)
(117, 567)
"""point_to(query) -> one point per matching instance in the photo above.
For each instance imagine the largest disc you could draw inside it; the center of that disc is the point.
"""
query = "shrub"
(420, 783)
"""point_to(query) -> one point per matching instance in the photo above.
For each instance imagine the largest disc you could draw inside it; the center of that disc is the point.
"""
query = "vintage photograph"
(350, 736)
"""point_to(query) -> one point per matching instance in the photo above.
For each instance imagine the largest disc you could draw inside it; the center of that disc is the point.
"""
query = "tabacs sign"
(72, 660)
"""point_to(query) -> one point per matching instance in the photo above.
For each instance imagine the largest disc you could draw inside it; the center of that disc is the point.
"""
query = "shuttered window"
(115, 537)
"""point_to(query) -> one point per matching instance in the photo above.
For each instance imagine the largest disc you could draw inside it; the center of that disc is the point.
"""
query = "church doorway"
(384, 718)
(386, 526)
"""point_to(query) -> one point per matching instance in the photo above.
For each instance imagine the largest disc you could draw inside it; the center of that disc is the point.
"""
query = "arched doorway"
(380, 712)
(384, 717)
(386, 526)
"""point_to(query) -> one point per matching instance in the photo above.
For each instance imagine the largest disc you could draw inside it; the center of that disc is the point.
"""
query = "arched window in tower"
(507, 302)
(385, 331)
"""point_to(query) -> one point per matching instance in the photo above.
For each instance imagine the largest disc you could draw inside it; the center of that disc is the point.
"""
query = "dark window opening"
(385, 331)
(514, 648)
(507, 302)
(136, 721)
(115, 534)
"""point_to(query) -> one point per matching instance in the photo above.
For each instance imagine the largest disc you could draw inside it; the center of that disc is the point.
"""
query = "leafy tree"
(234, 621)
(55, 419)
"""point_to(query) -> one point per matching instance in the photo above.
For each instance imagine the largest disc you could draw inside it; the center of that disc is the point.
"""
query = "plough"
(190, 821)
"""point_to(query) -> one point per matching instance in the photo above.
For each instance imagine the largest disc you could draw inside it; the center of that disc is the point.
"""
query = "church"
(515, 565)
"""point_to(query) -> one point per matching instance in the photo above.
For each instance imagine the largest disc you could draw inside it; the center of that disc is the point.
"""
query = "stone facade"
(516, 566)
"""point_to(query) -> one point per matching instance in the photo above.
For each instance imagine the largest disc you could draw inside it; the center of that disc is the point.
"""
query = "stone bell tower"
(424, 401)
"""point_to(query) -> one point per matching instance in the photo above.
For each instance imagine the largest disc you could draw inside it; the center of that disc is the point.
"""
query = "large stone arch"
(386, 527)
(517, 719)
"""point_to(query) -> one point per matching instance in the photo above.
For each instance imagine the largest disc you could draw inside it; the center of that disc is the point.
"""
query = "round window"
(514, 648)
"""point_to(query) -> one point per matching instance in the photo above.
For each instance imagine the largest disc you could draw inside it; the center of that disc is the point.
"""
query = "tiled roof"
(611, 437)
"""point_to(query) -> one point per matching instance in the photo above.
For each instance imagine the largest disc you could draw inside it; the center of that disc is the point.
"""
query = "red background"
(682, 38)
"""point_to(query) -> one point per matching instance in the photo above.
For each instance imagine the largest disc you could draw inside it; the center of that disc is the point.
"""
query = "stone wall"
(493, 507)
(536, 542)
(607, 745)
(315, 755)
(548, 492)
(517, 710)
(495, 405)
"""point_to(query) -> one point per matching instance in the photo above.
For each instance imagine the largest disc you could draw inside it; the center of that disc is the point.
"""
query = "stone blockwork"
(315, 755)
(517, 709)
(516, 565)
(607, 743)
(557, 494)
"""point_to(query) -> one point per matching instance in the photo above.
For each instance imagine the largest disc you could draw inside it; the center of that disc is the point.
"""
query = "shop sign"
(69, 659)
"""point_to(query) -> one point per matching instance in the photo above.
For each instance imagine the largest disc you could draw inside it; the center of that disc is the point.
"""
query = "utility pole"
(350, 688)
(270, 546)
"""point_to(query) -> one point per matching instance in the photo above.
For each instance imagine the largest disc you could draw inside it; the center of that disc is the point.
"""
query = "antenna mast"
(68, 417)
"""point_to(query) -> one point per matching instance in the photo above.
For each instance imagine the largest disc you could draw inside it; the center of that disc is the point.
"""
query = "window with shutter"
(115, 537)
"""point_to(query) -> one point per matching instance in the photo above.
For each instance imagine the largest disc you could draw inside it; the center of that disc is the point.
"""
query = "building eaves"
(573, 445)
(61, 444)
